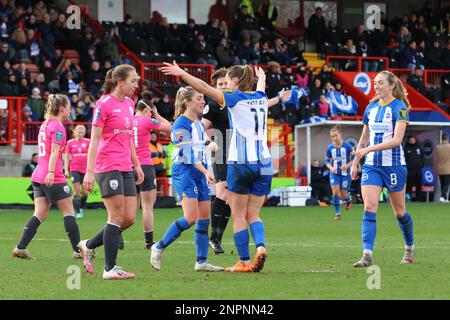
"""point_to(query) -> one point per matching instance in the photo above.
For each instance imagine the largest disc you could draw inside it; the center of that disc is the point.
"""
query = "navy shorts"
(393, 178)
(250, 178)
(189, 182)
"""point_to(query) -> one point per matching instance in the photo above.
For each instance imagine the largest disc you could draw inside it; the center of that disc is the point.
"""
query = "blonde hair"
(337, 128)
(399, 92)
(79, 126)
(244, 74)
(113, 76)
(53, 103)
(186, 93)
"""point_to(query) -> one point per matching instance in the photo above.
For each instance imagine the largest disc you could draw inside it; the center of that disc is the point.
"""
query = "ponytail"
(113, 76)
(53, 103)
(244, 74)
(183, 94)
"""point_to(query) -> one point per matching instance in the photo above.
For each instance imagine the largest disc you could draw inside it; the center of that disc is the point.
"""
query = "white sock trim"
(113, 224)
(367, 253)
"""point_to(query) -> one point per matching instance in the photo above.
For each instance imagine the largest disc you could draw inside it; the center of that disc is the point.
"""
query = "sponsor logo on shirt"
(59, 136)
(117, 110)
(380, 127)
(97, 114)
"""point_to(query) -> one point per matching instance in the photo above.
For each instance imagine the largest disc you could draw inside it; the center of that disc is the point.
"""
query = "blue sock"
(348, 197)
(369, 229)
(406, 225)
(201, 240)
(174, 231)
(241, 240)
(337, 204)
(257, 229)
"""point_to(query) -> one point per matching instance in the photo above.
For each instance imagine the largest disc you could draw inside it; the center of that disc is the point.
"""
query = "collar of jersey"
(385, 104)
(189, 118)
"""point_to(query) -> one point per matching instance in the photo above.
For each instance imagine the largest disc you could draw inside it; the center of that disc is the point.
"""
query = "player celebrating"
(191, 178)
(111, 157)
(250, 165)
(339, 160)
(385, 120)
(217, 118)
(48, 180)
(143, 124)
(76, 156)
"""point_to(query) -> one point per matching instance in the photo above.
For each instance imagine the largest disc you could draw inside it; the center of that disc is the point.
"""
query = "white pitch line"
(439, 245)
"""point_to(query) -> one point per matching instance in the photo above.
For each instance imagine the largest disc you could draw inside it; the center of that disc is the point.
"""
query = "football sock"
(406, 226)
(201, 240)
(83, 201)
(96, 241)
(72, 230)
(111, 238)
(148, 236)
(76, 203)
(226, 213)
(241, 240)
(216, 216)
(29, 231)
(369, 230)
(174, 231)
(337, 204)
(257, 229)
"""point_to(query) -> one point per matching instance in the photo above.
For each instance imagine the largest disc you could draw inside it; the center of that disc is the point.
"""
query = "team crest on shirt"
(114, 184)
(97, 114)
(365, 177)
(195, 190)
(66, 189)
(388, 115)
(403, 113)
(59, 136)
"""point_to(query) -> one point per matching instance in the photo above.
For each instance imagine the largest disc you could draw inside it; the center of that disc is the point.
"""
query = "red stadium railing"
(431, 77)
(30, 130)
(359, 60)
(10, 121)
(279, 135)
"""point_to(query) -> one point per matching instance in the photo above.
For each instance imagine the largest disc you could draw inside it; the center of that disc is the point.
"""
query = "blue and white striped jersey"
(247, 113)
(381, 120)
(189, 137)
(339, 156)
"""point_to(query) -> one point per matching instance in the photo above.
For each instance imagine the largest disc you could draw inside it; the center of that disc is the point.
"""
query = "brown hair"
(399, 92)
(113, 76)
(244, 74)
(337, 128)
(182, 94)
(221, 73)
(53, 103)
(144, 103)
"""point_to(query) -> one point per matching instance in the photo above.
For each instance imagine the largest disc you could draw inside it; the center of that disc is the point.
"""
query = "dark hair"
(121, 72)
(34, 154)
(143, 104)
(444, 137)
(244, 74)
(220, 73)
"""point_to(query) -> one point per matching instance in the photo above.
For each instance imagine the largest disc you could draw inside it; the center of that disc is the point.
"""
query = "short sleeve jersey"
(51, 132)
(78, 150)
(339, 156)
(142, 126)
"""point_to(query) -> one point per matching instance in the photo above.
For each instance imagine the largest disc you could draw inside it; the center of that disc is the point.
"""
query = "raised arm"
(283, 96)
(261, 84)
(172, 69)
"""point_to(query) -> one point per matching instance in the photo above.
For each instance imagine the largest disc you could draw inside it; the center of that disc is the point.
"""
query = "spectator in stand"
(35, 47)
(316, 91)
(68, 84)
(67, 66)
(225, 54)
(287, 78)
(323, 106)
(29, 168)
(24, 88)
(32, 23)
(212, 32)
(40, 10)
(294, 52)
(87, 57)
(325, 75)
(443, 167)
(61, 32)
(36, 104)
(11, 87)
(47, 32)
(223, 26)
(363, 50)
(416, 81)
(281, 55)
(5, 29)
(249, 5)
(246, 53)
(155, 18)
(49, 71)
(338, 88)
(110, 46)
(158, 155)
(5, 71)
(22, 72)
(218, 11)
(403, 38)
(94, 78)
(165, 107)
(19, 42)
(39, 82)
(18, 18)
(359, 33)
(191, 32)
(409, 58)
(268, 15)
(302, 77)
(273, 79)
(319, 182)
(267, 53)
(307, 109)
(203, 51)
(87, 41)
(6, 53)
(164, 35)
(317, 29)
(130, 35)
(414, 162)
(27, 116)
(348, 50)
(246, 25)
(379, 40)
(434, 55)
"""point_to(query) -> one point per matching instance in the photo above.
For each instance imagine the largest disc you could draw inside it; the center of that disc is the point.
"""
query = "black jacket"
(413, 157)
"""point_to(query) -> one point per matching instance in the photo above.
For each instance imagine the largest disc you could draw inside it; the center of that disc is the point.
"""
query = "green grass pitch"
(310, 257)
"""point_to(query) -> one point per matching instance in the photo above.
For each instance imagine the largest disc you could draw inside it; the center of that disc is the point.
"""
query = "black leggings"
(445, 184)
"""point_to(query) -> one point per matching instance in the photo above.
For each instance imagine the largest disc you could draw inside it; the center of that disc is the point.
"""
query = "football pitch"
(310, 257)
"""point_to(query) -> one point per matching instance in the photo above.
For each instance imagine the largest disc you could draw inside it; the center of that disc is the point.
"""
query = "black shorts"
(76, 177)
(116, 182)
(220, 171)
(149, 183)
(55, 193)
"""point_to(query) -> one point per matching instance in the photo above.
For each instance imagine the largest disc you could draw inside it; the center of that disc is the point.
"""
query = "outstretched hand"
(171, 69)
(285, 95)
(260, 73)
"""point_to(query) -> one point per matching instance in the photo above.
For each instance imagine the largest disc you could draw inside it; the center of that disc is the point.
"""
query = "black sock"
(111, 238)
(72, 231)
(226, 213)
(76, 203)
(216, 216)
(29, 231)
(83, 201)
(148, 236)
(96, 241)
